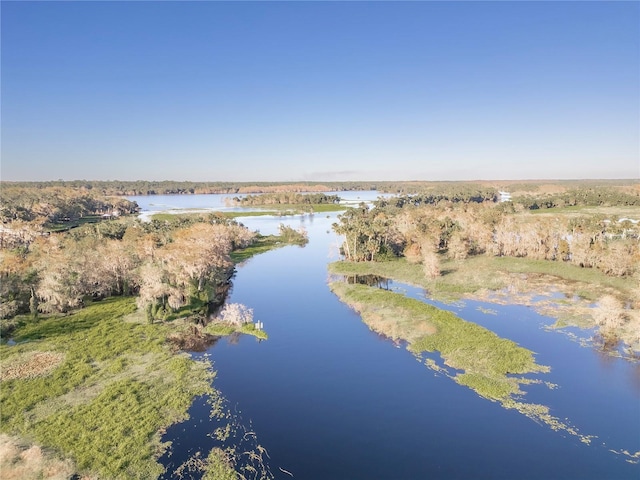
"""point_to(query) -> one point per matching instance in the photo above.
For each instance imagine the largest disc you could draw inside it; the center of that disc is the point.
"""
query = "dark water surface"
(329, 399)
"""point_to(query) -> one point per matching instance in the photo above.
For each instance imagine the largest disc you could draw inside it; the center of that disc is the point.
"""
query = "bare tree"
(610, 316)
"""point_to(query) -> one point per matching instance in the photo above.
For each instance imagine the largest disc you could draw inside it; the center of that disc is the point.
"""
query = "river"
(329, 399)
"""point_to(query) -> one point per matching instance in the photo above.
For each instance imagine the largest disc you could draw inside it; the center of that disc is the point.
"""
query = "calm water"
(150, 204)
(329, 399)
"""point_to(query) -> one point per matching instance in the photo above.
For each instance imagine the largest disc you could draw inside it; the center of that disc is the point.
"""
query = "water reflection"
(369, 280)
(194, 341)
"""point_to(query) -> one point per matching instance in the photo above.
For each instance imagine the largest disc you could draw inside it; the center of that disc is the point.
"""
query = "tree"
(367, 234)
(116, 262)
(155, 289)
(194, 265)
(431, 262)
(235, 314)
(458, 247)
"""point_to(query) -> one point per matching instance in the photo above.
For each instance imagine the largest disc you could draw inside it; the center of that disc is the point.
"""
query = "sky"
(319, 91)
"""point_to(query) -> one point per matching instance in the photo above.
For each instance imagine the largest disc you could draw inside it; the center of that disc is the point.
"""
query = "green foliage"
(463, 345)
(218, 466)
(264, 243)
(58, 206)
(220, 329)
(473, 356)
(491, 387)
(368, 234)
(292, 236)
(586, 196)
(290, 209)
(449, 192)
(171, 222)
(8, 326)
(118, 387)
(225, 329)
(98, 228)
(286, 198)
(561, 270)
(104, 443)
(483, 272)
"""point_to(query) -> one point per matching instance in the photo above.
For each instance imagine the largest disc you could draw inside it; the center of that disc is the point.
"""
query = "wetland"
(490, 369)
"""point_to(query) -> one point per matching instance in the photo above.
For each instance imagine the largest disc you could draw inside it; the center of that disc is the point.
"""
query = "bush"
(291, 235)
(235, 314)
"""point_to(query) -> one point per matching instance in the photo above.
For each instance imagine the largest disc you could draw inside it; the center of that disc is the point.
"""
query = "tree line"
(590, 197)
(286, 198)
(171, 187)
(167, 265)
(53, 204)
(424, 232)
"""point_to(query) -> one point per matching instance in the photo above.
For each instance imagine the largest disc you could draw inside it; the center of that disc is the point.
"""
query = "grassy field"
(222, 330)
(483, 276)
(263, 243)
(480, 273)
(293, 209)
(98, 387)
(116, 387)
(463, 345)
(520, 281)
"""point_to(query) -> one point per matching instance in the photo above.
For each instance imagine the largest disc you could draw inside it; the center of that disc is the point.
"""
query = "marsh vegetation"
(98, 317)
(495, 368)
(99, 314)
(466, 245)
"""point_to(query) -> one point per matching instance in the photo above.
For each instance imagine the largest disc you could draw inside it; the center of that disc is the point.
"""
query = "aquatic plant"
(471, 355)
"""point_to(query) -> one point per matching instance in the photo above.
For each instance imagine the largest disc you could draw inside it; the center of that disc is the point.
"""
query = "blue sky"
(287, 91)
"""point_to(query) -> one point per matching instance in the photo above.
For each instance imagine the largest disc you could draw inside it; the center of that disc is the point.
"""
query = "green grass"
(564, 271)
(223, 329)
(482, 272)
(263, 243)
(288, 209)
(107, 403)
(618, 210)
(452, 285)
(473, 356)
(463, 345)
(175, 217)
(118, 388)
(218, 467)
(398, 269)
(489, 386)
(515, 280)
(250, 214)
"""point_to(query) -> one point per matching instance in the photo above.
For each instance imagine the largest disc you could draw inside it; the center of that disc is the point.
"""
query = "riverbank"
(570, 291)
(98, 387)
